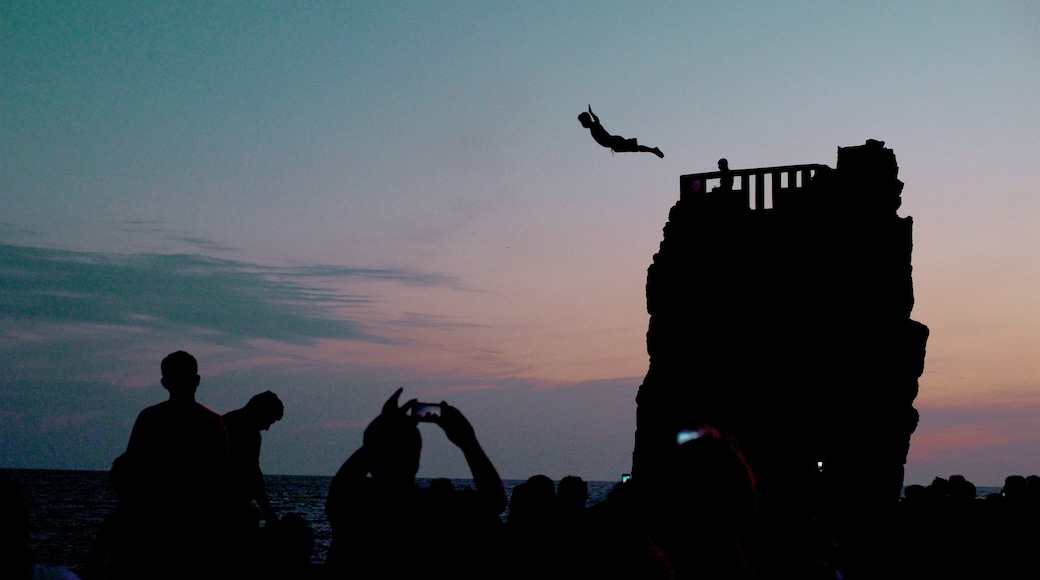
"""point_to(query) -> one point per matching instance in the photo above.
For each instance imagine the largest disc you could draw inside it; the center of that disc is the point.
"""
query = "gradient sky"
(334, 199)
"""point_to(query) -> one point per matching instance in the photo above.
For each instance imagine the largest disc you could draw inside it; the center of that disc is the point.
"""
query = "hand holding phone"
(426, 412)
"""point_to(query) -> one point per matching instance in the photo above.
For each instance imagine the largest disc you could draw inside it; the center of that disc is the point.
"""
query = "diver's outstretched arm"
(595, 119)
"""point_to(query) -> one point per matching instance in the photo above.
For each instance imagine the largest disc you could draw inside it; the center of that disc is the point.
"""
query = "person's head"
(572, 493)
(543, 487)
(180, 373)
(585, 119)
(532, 502)
(265, 409)
(706, 479)
(723, 164)
(961, 489)
(1015, 487)
(395, 444)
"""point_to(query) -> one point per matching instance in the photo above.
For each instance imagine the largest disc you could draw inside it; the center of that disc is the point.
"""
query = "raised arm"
(356, 468)
(595, 119)
(485, 477)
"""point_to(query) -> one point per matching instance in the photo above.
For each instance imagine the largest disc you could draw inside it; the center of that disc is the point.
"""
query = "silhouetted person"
(1015, 527)
(533, 502)
(702, 507)
(617, 541)
(531, 541)
(384, 526)
(1032, 488)
(572, 494)
(615, 143)
(172, 484)
(1015, 488)
(247, 481)
(243, 427)
(726, 179)
(961, 490)
(545, 536)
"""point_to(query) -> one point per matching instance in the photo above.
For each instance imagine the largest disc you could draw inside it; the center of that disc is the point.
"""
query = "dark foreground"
(938, 531)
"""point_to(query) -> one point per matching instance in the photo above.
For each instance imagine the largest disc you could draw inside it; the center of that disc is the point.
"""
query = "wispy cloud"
(230, 301)
(407, 277)
(17, 232)
(419, 320)
(160, 229)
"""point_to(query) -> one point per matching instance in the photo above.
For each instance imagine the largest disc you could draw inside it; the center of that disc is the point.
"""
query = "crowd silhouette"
(191, 500)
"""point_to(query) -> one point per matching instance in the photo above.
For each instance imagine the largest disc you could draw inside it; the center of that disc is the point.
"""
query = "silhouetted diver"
(615, 143)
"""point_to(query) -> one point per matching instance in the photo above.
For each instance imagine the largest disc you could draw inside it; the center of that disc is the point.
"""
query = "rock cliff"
(789, 327)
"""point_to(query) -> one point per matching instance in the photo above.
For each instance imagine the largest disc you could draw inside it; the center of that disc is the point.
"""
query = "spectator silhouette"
(385, 526)
(1032, 488)
(1014, 526)
(530, 542)
(172, 484)
(915, 494)
(617, 542)
(615, 143)
(572, 494)
(1016, 488)
(703, 506)
(726, 179)
(938, 491)
(533, 502)
(244, 439)
(961, 491)
(247, 481)
(546, 534)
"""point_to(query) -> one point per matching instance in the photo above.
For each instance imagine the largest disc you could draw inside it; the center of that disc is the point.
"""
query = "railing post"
(760, 190)
(745, 187)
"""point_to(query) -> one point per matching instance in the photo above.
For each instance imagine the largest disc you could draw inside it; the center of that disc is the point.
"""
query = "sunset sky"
(334, 199)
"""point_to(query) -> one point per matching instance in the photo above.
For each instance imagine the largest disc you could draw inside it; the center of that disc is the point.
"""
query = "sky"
(332, 200)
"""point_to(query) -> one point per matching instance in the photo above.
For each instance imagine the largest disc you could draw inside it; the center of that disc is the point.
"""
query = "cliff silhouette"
(780, 307)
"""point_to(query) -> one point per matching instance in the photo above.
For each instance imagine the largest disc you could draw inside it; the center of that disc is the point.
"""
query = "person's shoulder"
(208, 414)
(155, 410)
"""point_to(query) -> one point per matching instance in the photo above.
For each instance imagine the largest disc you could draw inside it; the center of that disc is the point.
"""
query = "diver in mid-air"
(615, 143)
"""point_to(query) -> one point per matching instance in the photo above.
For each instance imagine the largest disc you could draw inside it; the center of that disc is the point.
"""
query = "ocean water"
(66, 508)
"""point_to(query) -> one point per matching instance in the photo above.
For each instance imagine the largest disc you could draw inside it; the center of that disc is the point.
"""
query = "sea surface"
(66, 508)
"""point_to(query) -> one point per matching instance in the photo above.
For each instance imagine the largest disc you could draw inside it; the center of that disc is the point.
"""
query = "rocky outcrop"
(789, 327)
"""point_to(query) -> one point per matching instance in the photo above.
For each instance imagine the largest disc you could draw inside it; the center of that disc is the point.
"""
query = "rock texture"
(789, 327)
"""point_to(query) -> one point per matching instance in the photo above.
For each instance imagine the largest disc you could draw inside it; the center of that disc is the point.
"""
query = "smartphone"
(426, 411)
(625, 477)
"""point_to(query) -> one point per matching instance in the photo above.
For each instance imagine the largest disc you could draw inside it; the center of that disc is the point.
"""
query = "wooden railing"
(750, 183)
